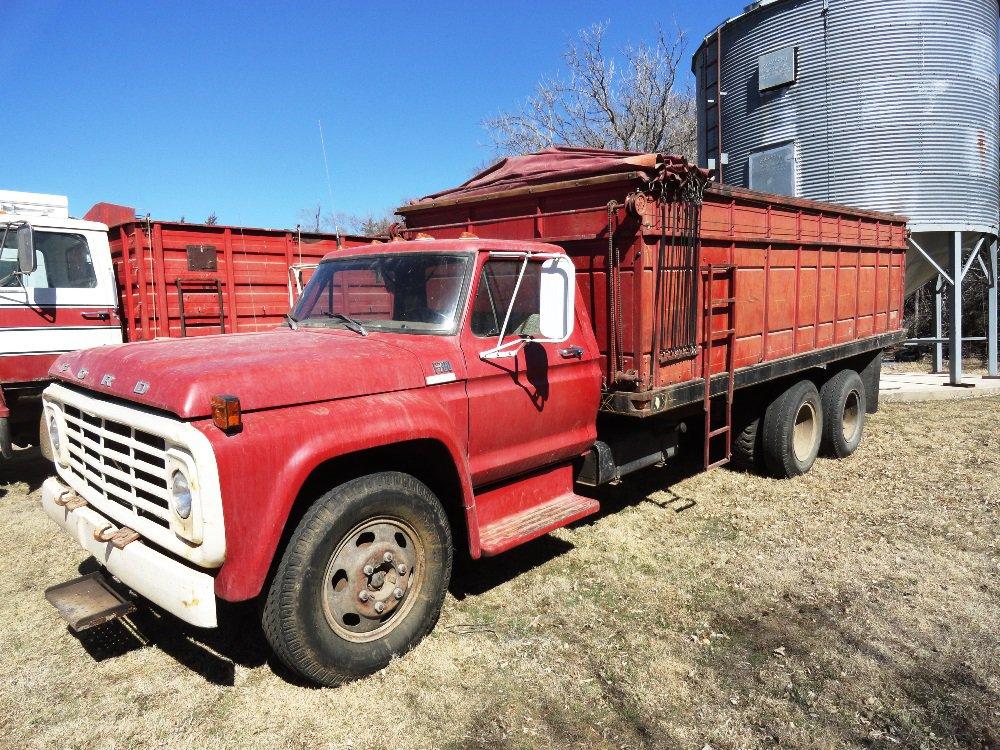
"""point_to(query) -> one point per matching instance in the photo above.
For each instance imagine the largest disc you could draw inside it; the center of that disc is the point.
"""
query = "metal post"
(991, 315)
(955, 313)
(939, 325)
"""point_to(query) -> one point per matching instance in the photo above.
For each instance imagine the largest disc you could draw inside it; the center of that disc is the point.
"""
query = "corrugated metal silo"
(891, 105)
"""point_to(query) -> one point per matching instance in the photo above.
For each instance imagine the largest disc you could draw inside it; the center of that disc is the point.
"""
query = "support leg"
(991, 315)
(955, 313)
(938, 366)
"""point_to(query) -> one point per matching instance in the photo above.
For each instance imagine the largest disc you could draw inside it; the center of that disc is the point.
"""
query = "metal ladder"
(198, 286)
(712, 338)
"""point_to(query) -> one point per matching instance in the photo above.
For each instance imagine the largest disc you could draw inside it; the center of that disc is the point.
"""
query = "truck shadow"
(214, 654)
(641, 487)
(27, 465)
(476, 577)
(239, 640)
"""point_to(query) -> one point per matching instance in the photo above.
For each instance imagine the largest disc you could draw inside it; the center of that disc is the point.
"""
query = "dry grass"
(855, 607)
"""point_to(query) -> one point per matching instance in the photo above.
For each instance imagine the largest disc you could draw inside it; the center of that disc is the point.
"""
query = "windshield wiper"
(292, 321)
(349, 322)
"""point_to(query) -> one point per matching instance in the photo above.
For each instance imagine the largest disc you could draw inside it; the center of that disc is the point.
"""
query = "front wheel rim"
(804, 432)
(373, 578)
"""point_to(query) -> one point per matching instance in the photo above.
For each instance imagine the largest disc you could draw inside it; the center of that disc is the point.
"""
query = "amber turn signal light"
(226, 413)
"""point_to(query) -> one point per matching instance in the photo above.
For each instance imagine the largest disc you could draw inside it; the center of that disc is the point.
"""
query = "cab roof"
(52, 222)
(466, 244)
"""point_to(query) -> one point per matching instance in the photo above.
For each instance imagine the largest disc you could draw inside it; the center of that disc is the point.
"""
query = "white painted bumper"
(179, 589)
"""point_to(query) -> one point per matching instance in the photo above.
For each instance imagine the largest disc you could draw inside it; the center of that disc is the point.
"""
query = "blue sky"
(181, 109)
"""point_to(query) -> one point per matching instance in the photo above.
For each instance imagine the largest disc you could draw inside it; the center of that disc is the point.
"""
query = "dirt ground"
(857, 606)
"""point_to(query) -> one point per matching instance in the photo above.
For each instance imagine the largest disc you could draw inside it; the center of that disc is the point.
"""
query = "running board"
(528, 508)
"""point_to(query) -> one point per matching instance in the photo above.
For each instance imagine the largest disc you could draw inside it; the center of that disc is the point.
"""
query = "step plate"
(88, 601)
(521, 527)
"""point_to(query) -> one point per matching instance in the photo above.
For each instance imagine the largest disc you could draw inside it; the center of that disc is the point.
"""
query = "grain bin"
(888, 105)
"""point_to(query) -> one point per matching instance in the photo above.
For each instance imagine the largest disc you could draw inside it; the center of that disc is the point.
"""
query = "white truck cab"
(57, 294)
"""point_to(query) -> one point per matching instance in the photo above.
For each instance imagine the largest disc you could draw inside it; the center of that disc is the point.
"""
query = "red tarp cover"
(556, 164)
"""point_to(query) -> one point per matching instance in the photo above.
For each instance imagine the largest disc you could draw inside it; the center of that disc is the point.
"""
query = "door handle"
(101, 315)
(571, 352)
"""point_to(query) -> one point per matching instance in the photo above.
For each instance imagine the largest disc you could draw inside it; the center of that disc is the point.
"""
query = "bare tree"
(212, 219)
(371, 225)
(632, 102)
(311, 219)
(367, 224)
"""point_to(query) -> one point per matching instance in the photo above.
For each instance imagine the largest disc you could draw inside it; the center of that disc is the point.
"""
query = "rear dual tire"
(792, 431)
(844, 409)
(800, 424)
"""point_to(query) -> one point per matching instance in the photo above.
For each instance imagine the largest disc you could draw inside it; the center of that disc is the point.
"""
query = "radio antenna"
(329, 185)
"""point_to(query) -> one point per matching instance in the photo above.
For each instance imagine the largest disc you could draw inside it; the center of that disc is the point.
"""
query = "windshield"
(403, 292)
(63, 261)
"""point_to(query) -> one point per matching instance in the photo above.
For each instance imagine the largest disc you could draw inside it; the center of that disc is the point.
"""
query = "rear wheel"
(844, 408)
(747, 452)
(793, 428)
(363, 578)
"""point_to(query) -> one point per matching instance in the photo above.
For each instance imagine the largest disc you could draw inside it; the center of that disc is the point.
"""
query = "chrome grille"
(124, 465)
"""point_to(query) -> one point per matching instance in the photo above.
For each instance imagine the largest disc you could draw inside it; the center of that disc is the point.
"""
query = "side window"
(496, 287)
(63, 261)
(8, 260)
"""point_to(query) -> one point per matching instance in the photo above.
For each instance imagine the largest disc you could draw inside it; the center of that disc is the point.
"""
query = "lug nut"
(369, 570)
(379, 606)
(398, 593)
(363, 596)
(401, 570)
(387, 557)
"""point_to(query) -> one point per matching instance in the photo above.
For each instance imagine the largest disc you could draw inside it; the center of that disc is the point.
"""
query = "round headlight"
(181, 492)
(54, 437)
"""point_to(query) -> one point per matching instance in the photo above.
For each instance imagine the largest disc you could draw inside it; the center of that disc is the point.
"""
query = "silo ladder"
(713, 337)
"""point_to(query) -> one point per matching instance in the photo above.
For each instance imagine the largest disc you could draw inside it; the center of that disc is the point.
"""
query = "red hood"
(265, 370)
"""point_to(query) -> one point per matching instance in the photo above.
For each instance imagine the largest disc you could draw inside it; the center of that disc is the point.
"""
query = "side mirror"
(26, 261)
(557, 299)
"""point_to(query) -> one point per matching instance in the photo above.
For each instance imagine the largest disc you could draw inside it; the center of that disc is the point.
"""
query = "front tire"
(362, 580)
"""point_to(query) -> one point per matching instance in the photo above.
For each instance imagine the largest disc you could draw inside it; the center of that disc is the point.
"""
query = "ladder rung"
(719, 431)
(720, 462)
(723, 302)
(718, 269)
(716, 335)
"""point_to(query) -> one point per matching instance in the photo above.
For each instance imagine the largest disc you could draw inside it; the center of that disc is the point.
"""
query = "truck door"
(538, 407)
(67, 303)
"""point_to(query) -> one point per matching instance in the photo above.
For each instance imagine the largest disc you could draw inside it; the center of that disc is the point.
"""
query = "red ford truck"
(556, 324)
(87, 285)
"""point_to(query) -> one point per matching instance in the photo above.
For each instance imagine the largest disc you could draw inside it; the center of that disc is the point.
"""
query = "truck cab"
(423, 395)
(57, 293)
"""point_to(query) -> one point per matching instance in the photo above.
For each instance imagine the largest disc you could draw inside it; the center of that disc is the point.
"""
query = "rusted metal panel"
(250, 265)
(88, 601)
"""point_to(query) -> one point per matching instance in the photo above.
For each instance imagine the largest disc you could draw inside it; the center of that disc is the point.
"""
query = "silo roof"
(748, 10)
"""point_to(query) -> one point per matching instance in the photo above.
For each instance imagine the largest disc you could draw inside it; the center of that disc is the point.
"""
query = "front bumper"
(178, 588)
